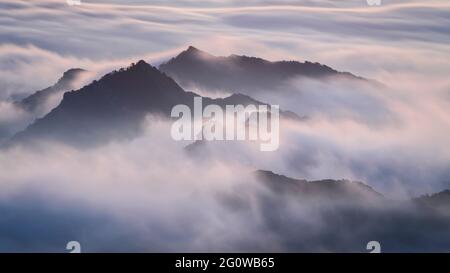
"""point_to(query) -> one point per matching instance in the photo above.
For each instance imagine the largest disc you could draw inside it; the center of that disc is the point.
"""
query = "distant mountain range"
(332, 215)
(115, 106)
(348, 191)
(340, 214)
(194, 68)
(108, 108)
(440, 201)
(39, 103)
(330, 189)
(40, 99)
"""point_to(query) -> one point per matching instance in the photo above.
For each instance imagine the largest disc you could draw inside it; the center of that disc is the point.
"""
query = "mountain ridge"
(39, 98)
(115, 105)
(345, 190)
(240, 73)
(329, 188)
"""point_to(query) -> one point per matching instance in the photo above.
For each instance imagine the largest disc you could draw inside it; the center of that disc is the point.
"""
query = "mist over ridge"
(86, 152)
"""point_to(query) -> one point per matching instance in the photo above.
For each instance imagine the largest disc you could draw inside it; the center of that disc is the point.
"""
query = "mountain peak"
(39, 100)
(192, 52)
(138, 69)
(192, 49)
(73, 71)
(194, 68)
(142, 63)
(71, 74)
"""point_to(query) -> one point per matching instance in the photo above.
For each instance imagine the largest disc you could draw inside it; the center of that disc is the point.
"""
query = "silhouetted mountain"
(41, 98)
(344, 189)
(115, 106)
(338, 215)
(112, 107)
(195, 68)
(329, 189)
(241, 99)
(440, 200)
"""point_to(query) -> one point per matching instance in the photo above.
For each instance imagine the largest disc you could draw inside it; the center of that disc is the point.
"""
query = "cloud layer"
(149, 195)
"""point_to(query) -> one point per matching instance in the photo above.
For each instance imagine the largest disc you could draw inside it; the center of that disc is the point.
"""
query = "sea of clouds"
(150, 195)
